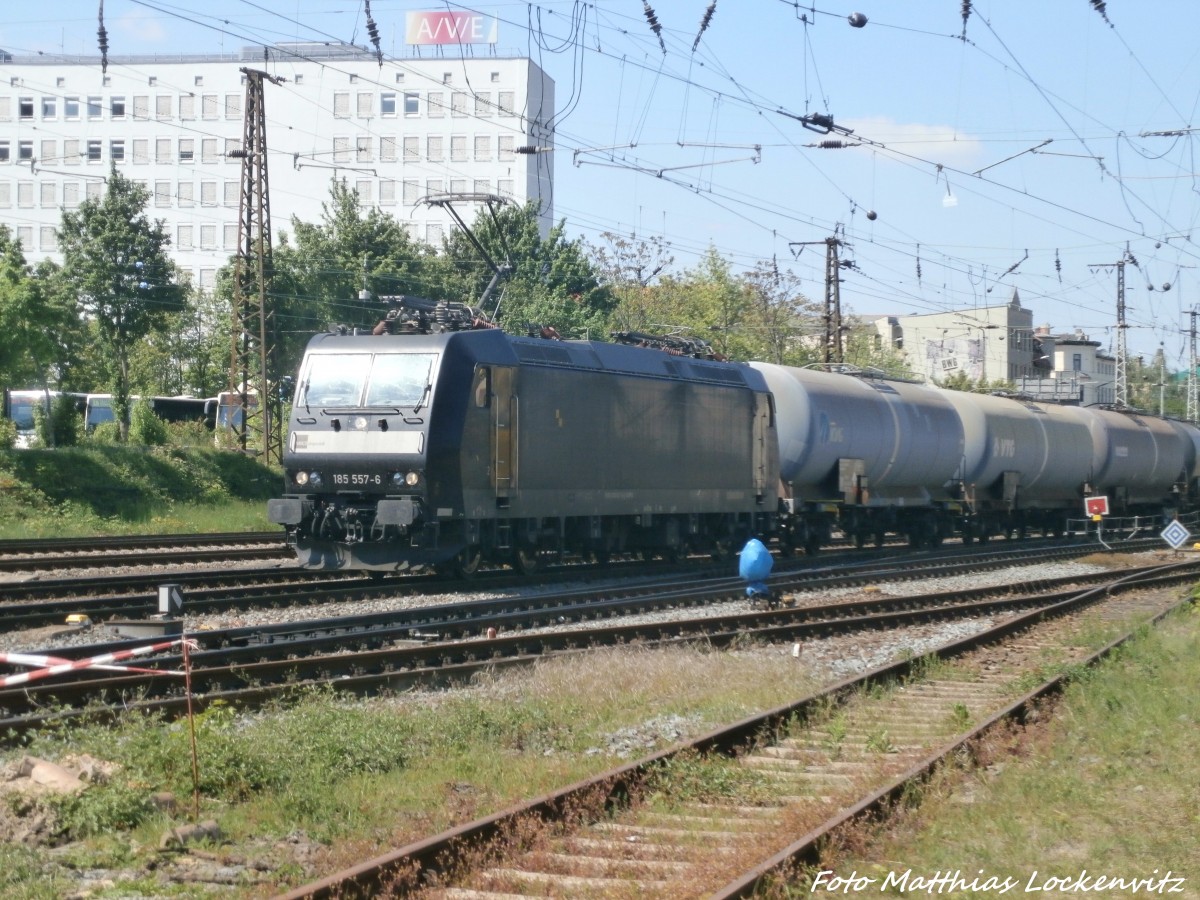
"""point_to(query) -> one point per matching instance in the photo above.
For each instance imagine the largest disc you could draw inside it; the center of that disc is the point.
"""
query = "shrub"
(145, 427)
(8, 434)
(62, 427)
(106, 433)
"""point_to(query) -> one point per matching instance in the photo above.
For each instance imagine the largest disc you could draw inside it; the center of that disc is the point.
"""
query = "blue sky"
(1012, 152)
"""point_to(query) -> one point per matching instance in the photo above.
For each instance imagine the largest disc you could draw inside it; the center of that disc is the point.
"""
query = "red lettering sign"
(450, 28)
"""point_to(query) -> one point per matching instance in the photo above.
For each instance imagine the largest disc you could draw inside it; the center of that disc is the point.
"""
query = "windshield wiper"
(424, 394)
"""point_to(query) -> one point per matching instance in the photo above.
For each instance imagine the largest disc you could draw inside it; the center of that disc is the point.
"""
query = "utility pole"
(1122, 349)
(833, 345)
(252, 364)
(1192, 405)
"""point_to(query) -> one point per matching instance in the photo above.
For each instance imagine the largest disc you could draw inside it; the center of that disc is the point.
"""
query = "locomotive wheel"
(467, 562)
(525, 560)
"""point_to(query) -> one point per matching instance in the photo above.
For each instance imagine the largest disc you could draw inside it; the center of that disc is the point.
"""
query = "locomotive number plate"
(357, 479)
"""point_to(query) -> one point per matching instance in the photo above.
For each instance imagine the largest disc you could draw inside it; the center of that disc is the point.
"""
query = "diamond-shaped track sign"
(1175, 534)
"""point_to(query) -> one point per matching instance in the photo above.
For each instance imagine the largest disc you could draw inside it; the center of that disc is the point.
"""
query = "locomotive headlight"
(412, 478)
(314, 479)
(357, 423)
(397, 479)
(301, 478)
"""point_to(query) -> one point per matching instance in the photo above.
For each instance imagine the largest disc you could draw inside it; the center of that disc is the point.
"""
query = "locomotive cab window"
(364, 379)
(481, 390)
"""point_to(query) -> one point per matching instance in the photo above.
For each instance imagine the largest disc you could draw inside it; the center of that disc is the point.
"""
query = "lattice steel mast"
(252, 367)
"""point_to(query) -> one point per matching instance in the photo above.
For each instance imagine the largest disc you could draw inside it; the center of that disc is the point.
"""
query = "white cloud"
(141, 28)
(932, 143)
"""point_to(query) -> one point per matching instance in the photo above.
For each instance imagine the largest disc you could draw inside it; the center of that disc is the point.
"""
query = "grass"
(1108, 786)
(83, 491)
(357, 776)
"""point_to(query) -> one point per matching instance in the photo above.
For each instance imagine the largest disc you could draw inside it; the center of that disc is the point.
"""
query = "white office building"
(396, 132)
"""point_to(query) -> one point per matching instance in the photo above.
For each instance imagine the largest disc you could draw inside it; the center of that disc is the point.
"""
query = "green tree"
(115, 258)
(29, 320)
(629, 267)
(778, 317)
(319, 270)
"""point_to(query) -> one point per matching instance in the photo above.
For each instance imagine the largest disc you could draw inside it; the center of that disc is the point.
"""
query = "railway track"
(805, 770)
(47, 602)
(449, 643)
(138, 550)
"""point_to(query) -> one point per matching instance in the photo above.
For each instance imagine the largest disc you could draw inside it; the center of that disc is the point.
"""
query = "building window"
(433, 187)
(387, 105)
(49, 192)
(49, 238)
(93, 151)
(353, 78)
(162, 151)
(25, 236)
(412, 193)
(141, 107)
(187, 106)
(504, 146)
(366, 105)
(435, 107)
(5, 195)
(483, 148)
(232, 148)
(24, 151)
(209, 106)
(232, 192)
(141, 151)
(25, 193)
(341, 149)
(152, 80)
(233, 106)
(297, 79)
(94, 108)
(71, 108)
(162, 106)
(71, 154)
(435, 147)
(399, 78)
(116, 151)
(208, 150)
(387, 192)
(506, 100)
(162, 193)
(341, 106)
(483, 104)
(198, 81)
(185, 193)
(4, 152)
(447, 77)
(504, 187)
(71, 194)
(208, 193)
(94, 191)
(458, 104)
(49, 107)
(362, 149)
(458, 148)
(483, 186)
(208, 237)
(495, 77)
(458, 185)
(49, 152)
(412, 104)
(118, 107)
(412, 148)
(387, 149)
(1077, 362)
(25, 107)
(363, 188)
(231, 236)
(433, 234)
(187, 150)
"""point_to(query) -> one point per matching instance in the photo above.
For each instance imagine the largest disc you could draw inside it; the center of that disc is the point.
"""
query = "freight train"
(436, 441)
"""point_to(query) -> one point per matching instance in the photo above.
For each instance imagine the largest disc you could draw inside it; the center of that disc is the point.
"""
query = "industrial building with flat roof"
(396, 132)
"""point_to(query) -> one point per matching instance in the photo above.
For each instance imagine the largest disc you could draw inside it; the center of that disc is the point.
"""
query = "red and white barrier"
(54, 665)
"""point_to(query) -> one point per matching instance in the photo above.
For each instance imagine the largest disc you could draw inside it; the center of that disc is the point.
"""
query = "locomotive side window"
(399, 379)
(481, 390)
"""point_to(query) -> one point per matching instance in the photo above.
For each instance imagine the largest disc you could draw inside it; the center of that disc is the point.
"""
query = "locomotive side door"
(504, 430)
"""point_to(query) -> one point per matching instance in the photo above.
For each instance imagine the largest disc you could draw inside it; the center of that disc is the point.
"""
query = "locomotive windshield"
(366, 379)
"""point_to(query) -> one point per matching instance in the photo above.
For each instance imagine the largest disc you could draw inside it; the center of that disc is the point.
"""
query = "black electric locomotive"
(437, 442)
